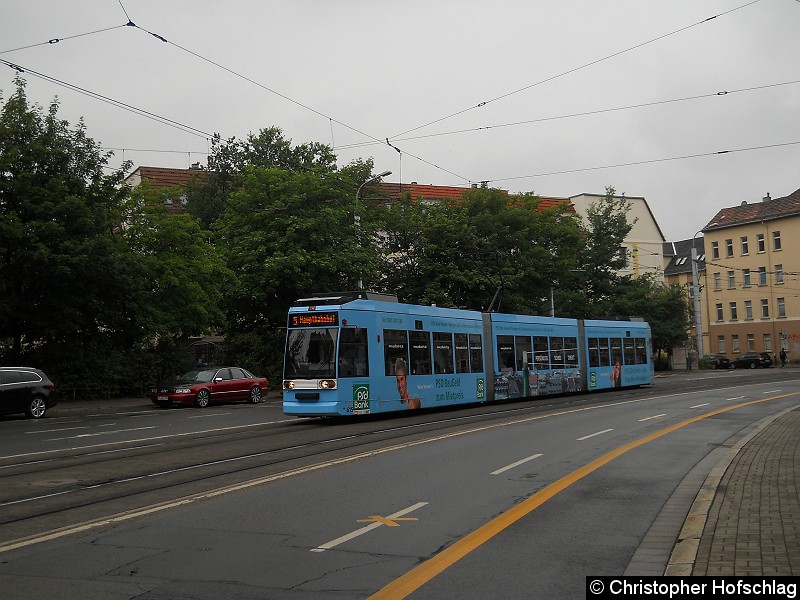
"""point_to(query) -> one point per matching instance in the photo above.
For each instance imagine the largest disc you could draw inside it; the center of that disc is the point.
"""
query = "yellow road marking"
(417, 577)
(385, 521)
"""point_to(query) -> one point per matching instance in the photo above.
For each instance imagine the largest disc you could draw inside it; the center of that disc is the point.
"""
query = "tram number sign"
(361, 399)
(481, 388)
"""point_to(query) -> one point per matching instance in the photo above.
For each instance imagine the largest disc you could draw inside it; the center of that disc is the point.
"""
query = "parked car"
(212, 384)
(717, 361)
(751, 360)
(25, 389)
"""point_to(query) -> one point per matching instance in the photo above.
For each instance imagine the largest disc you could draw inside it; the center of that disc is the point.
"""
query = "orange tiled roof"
(777, 208)
(160, 177)
(442, 192)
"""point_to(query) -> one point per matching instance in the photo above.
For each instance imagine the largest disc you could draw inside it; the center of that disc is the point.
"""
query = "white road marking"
(700, 405)
(209, 415)
(54, 430)
(516, 464)
(366, 529)
(653, 417)
(85, 435)
(591, 435)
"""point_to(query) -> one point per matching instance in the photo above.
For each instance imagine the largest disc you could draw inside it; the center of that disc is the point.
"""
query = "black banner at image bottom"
(685, 588)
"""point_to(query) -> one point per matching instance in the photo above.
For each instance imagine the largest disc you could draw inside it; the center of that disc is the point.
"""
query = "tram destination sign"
(314, 319)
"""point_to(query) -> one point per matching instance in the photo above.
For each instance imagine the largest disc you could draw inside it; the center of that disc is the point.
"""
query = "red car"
(213, 384)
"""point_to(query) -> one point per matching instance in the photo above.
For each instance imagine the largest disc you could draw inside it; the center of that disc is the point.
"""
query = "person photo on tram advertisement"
(401, 375)
(616, 375)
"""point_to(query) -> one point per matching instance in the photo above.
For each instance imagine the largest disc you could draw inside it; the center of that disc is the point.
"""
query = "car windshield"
(310, 354)
(203, 376)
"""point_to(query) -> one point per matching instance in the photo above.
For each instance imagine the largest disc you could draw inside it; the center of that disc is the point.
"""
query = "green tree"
(461, 253)
(664, 307)
(59, 243)
(176, 284)
(287, 234)
(588, 289)
(207, 196)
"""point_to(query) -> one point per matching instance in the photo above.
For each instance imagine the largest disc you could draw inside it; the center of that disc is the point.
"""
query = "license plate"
(162, 398)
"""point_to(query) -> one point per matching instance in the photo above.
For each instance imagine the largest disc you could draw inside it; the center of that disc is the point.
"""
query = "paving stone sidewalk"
(753, 525)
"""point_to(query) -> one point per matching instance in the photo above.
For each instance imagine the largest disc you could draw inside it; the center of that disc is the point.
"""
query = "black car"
(717, 361)
(25, 389)
(751, 360)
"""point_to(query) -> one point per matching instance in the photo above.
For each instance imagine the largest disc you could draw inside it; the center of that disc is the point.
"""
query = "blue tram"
(364, 353)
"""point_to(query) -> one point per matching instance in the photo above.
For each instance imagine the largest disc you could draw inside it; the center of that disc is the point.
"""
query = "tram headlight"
(327, 384)
(288, 384)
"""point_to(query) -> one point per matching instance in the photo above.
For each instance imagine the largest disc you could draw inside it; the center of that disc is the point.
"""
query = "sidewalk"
(750, 523)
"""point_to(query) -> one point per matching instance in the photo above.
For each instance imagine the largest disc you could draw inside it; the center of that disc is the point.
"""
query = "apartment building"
(678, 271)
(750, 285)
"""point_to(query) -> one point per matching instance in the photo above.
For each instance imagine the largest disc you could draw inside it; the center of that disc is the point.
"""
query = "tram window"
(420, 352)
(505, 352)
(475, 353)
(462, 353)
(395, 347)
(605, 353)
(641, 351)
(443, 352)
(541, 352)
(594, 352)
(571, 352)
(629, 350)
(556, 352)
(353, 357)
(524, 348)
(616, 351)
(310, 353)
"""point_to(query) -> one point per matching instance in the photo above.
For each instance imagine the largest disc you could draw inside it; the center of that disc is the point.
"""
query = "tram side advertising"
(360, 356)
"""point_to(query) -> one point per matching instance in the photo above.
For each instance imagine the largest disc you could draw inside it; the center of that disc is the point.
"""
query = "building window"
(767, 342)
(729, 248)
(721, 344)
(714, 249)
(746, 277)
(745, 246)
(762, 275)
(781, 308)
(764, 308)
(734, 312)
(720, 316)
(717, 281)
(735, 344)
(776, 240)
(762, 246)
(748, 309)
(778, 273)
(751, 342)
(731, 279)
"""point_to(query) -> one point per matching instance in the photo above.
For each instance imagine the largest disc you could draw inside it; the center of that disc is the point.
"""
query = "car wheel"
(714, 367)
(36, 408)
(255, 395)
(202, 398)
(753, 365)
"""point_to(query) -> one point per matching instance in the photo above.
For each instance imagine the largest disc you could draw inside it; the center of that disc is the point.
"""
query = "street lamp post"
(357, 217)
(698, 322)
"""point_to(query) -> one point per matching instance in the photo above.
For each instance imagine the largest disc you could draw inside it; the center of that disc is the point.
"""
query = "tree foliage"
(101, 285)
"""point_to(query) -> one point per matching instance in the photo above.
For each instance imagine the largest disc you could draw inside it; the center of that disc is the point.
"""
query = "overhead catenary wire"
(574, 70)
(600, 111)
(118, 103)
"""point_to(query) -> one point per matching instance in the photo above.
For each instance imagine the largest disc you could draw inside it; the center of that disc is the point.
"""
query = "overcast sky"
(467, 91)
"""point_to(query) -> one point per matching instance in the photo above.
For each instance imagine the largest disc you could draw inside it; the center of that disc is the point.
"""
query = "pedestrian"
(690, 358)
(783, 357)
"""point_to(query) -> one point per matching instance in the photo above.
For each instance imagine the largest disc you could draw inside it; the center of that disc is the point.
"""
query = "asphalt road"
(238, 501)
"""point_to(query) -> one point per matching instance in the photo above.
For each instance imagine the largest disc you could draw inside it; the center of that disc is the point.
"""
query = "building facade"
(678, 271)
(750, 286)
(643, 246)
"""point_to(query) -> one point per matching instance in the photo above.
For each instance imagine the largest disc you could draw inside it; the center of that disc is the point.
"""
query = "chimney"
(767, 198)
(196, 167)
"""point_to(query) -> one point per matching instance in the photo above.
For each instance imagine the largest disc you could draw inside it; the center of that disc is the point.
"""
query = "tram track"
(79, 486)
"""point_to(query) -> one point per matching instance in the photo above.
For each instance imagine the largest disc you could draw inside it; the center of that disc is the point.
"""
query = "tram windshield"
(310, 354)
